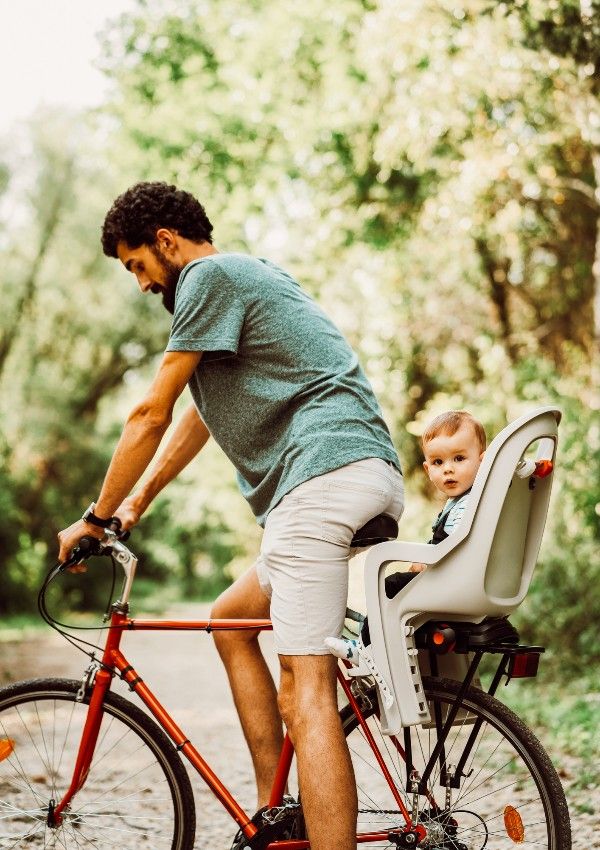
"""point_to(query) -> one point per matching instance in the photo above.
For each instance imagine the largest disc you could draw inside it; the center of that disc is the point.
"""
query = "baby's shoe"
(360, 657)
(349, 650)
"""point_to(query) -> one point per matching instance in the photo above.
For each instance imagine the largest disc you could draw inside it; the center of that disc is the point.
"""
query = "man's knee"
(307, 690)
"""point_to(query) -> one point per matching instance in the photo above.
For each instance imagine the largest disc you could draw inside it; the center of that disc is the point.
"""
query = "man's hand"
(130, 511)
(70, 537)
(417, 568)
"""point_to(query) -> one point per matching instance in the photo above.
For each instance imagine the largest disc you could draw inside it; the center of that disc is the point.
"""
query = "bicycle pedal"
(280, 823)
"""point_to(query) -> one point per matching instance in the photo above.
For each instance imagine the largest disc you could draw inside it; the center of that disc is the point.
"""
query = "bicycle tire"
(508, 771)
(137, 794)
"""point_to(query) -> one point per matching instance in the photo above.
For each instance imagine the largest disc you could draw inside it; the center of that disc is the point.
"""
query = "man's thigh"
(305, 551)
(243, 599)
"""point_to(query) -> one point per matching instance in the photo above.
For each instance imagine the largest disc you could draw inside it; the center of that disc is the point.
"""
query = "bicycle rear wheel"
(137, 794)
(509, 795)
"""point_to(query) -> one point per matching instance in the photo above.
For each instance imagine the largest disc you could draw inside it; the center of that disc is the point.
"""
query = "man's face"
(153, 270)
(451, 462)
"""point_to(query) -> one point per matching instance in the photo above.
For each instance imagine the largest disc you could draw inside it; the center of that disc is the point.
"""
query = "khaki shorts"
(303, 562)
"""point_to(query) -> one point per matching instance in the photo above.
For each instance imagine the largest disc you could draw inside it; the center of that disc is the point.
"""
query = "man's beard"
(171, 277)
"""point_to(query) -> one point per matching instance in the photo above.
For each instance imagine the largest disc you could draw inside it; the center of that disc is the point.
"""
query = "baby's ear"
(481, 455)
(426, 468)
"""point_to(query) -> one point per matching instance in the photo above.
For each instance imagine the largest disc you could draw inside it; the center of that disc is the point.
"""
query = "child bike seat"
(483, 569)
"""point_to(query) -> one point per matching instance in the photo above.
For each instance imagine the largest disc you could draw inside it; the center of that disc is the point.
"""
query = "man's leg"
(308, 704)
(252, 685)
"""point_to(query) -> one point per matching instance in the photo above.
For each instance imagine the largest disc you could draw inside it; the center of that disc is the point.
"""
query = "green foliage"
(567, 722)
(429, 171)
(568, 28)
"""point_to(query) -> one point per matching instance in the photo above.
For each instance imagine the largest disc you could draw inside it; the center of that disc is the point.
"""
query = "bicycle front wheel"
(508, 793)
(137, 795)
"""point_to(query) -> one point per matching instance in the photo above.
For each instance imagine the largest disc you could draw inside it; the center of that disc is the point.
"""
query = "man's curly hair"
(138, 213)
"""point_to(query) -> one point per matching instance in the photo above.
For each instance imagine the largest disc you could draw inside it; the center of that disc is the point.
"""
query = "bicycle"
(81, 766)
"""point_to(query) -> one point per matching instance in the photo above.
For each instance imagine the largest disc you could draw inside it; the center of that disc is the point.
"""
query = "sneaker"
(360, 657)
(274, 824)
(344, 648)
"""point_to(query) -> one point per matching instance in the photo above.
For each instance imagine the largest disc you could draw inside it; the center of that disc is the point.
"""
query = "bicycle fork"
(86, 747)
(99, 678)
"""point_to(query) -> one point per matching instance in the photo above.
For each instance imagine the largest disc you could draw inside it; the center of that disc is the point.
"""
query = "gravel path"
(191, 682)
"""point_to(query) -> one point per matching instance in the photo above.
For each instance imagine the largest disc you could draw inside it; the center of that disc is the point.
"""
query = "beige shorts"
(303, 562)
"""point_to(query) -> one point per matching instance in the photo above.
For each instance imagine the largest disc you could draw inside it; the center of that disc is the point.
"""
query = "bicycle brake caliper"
(360, 690)
(88, 679)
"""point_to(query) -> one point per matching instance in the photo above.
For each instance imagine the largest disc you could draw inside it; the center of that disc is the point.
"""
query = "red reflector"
(514, 825)
(543, 468)
(524, 666)
(438, 638)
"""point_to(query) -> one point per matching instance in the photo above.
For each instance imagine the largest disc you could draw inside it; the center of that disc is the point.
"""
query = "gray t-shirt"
(278, 386)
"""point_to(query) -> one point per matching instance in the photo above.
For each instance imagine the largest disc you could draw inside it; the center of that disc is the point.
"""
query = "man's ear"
(166, 239)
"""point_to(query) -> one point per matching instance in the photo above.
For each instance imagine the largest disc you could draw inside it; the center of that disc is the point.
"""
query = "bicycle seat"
(379, 529)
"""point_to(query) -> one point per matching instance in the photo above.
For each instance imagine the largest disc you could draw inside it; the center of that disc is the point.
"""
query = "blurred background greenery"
(430, 171)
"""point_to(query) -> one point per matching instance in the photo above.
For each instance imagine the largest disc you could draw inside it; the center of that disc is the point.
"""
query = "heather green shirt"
(278, 386)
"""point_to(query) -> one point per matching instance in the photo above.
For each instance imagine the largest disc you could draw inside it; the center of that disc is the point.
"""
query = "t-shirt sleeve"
(455, 514)
(209, 314)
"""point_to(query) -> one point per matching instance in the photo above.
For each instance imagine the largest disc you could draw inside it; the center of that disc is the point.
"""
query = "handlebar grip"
(87, 546)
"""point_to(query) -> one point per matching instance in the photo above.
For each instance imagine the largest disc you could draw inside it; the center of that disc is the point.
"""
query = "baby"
(453, 445)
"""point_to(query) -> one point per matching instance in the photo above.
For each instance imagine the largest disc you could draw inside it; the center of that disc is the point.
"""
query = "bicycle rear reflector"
(6, 748)
(514, 825)
(524, 665)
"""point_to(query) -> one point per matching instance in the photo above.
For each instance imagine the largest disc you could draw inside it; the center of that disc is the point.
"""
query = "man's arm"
(188, 438)
(139, 441)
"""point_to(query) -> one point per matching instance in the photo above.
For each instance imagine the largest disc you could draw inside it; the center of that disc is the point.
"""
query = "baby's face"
(451, 462)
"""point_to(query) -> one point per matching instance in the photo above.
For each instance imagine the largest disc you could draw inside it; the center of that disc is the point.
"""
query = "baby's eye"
(437, 461)
(458, 458)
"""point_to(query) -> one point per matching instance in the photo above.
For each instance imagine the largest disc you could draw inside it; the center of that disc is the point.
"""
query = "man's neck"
(190, 251)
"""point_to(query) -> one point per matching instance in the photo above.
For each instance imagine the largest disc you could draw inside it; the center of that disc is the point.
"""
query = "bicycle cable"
(58, 625)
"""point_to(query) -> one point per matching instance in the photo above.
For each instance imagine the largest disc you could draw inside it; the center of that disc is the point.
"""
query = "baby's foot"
(346, 649)
(359, 656)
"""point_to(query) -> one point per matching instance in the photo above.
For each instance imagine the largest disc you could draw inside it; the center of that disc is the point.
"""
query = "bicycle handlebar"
(110, 544)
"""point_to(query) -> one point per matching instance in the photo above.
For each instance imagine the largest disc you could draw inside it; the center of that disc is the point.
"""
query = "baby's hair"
(449, 423)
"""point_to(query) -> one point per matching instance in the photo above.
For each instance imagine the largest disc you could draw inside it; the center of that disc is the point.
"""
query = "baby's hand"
(417, 568)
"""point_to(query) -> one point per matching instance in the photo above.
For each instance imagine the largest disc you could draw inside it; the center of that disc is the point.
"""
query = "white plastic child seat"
(482, 569)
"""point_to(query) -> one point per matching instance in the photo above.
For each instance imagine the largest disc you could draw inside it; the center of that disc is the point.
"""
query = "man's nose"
(144, 282)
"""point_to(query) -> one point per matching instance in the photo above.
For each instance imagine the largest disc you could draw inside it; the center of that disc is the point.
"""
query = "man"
(281, 391)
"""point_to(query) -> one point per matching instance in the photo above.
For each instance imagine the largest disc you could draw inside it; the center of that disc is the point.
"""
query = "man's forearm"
(188, 438)
(138, 444)
(139, 441)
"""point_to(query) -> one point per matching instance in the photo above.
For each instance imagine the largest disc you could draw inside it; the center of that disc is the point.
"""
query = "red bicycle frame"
(114, 662)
